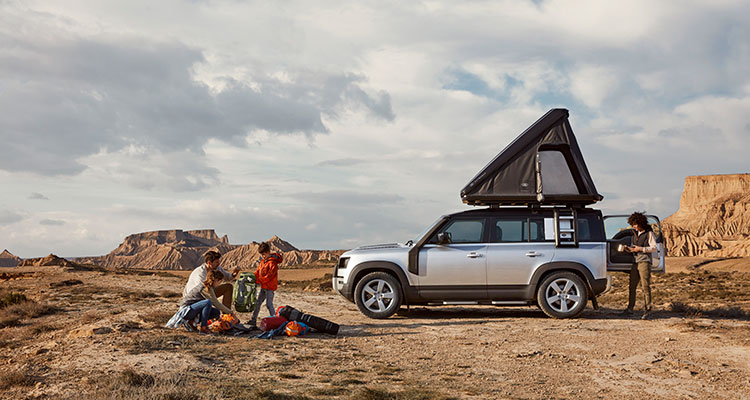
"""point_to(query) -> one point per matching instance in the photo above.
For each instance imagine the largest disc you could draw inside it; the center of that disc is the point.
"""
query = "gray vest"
(642, 241)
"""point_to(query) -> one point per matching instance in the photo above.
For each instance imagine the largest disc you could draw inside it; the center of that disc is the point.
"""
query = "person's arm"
(651, 245)
(209, 294)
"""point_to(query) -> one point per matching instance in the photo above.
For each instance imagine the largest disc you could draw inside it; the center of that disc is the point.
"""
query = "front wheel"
(562, 295)
(378, 295)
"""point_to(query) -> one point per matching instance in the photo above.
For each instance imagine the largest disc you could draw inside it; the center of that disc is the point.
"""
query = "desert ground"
(88, 332)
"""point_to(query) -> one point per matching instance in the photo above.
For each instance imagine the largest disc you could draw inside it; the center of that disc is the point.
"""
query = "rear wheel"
(562, 295)
(378, 295)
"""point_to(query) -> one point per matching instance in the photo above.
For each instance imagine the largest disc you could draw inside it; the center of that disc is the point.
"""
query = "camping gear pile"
(292, 322)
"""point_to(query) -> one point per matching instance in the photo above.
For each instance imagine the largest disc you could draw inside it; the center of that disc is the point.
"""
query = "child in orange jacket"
(267, 276)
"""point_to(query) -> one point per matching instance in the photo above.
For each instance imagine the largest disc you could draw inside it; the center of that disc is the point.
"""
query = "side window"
(463, 231)
(584, 230)
(536, 230)
(510, 230)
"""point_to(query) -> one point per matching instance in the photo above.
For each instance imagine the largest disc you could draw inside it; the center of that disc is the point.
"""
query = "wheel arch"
(360, 270)
(559, 266)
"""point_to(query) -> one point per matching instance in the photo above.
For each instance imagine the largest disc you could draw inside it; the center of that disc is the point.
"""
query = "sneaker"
(627, 311)
(190, 326)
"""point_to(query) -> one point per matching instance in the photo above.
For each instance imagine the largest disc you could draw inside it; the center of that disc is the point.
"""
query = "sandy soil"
(108, 327)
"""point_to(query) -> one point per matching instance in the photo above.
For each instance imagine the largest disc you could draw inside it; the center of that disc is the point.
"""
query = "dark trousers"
(640, 272)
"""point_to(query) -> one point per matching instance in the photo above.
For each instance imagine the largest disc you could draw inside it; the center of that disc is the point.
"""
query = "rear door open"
(619, 232)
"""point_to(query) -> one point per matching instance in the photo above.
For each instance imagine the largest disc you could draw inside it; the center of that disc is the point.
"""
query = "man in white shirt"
(198, 276)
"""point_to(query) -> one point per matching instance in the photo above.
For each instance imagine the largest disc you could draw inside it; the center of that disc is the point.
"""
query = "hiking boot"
(190, 326)
(646, 315)
(627, 311)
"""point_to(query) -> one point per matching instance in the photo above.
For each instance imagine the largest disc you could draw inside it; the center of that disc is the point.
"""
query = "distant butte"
(183, 250)
(713, 219)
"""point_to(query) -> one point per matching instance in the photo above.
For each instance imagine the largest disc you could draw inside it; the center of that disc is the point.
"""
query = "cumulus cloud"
(37, 196)
(8, 217)
(51, 222)
(70, 96)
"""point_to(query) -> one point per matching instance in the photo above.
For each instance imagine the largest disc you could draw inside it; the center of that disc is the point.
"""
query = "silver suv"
(536, 243)
(555, 258)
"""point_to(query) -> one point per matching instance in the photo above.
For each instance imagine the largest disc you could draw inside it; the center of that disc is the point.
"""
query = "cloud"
(51, 222)
(37, 196)
(70, 96)
(8, 217)
(341, 162)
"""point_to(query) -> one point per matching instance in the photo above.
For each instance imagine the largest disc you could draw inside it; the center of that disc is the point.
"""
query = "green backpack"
(244, 292)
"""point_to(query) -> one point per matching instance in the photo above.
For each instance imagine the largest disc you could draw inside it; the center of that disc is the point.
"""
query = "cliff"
(713, 219)
(183, 250)
(8, 260)
(247, 256)
(45, 262)
(168, 249)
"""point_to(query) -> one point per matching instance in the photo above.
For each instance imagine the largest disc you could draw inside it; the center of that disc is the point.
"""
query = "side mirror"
(443, 238)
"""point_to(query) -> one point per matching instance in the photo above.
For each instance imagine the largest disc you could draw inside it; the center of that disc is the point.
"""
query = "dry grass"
(9, 298)
(130, 385)
(717, 312)
(409, 394)
(156, 317)
(14, 314)
(15, 378)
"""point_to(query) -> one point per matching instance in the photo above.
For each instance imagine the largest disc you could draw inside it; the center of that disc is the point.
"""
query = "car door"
(517, 247)
(456, 270)
(618, 231)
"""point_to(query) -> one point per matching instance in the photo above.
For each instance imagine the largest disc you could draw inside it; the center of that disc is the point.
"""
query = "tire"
(562, 295)
(378, 295)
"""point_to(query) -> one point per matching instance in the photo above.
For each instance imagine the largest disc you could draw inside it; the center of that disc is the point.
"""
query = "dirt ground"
(92, 333)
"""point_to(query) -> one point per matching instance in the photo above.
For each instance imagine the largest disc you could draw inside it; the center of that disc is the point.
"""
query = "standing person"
(267, 276)
(198, 276)
(643, 245)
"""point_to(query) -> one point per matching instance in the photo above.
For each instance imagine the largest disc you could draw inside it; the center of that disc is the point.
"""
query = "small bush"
(13, 314)
(132, 378)
(11, 298)
(15, 378)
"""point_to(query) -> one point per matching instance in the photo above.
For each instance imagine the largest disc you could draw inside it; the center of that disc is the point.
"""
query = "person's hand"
(635, 249)
(236, 271)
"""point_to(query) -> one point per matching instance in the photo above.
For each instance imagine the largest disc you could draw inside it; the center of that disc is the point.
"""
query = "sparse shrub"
(90, 316)
(13, 314)
(265, 394)
(159, 317)
(11, 298)
(409, 394)
(169, 294)
(132, 378)
(15, 378)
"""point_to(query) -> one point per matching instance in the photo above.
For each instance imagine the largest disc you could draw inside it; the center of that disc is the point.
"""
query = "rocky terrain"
(90, 333)
(713, 219)
(183, 250)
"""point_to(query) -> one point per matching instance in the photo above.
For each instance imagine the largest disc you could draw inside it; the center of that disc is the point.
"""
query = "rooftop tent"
(543, 165)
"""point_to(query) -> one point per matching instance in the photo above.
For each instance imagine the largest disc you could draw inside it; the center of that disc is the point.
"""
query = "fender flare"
(362, 269)
(543, 269)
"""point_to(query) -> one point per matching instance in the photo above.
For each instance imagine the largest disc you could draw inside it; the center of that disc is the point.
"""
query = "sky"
(334, 124)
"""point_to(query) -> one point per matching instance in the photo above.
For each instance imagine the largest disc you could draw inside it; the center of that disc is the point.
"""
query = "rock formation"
(713, 219)
(8, 260)
(50, 260)
(169, 249)
(183, 250)
(247, 256)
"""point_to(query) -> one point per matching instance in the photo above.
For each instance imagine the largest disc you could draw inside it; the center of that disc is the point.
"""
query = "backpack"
(244, 292)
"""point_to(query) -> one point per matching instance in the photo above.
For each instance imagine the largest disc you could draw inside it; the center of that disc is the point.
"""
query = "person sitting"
(200, 302)
(198, 276)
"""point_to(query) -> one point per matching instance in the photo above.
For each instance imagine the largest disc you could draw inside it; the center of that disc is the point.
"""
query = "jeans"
(204, 309)
(267, 296)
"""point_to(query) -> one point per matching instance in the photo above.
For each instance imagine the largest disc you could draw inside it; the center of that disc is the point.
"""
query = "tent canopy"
(542, 166)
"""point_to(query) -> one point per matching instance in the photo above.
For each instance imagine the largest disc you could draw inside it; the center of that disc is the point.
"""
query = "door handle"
(532, 254)
(473, 254)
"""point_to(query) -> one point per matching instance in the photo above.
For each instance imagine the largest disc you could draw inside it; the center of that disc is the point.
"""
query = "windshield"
(429, 228)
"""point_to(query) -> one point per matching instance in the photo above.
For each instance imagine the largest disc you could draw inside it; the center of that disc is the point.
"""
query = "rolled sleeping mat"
(317, 323)
(271, 323)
